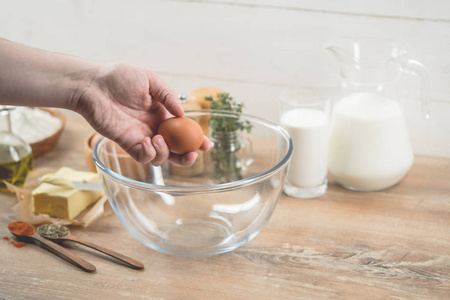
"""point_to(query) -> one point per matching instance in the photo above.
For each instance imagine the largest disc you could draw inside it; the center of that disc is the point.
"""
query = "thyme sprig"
(225, 124)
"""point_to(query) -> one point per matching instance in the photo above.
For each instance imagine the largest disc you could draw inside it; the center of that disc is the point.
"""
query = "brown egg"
(181, 134)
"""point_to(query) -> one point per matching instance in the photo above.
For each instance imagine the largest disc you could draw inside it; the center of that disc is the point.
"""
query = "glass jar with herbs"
(231, 153)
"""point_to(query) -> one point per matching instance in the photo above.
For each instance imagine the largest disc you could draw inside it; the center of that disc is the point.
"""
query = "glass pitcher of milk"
(369, 147)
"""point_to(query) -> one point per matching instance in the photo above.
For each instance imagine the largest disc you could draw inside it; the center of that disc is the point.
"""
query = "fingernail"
(147, 142)
(159, 140)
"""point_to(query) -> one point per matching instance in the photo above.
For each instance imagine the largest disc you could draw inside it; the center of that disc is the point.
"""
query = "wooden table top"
(343, 245)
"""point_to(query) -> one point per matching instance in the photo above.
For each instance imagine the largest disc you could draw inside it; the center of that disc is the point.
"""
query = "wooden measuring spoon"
(31, 234)
(64, 234)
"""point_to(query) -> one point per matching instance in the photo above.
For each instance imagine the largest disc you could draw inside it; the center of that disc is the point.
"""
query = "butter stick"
(62, 201)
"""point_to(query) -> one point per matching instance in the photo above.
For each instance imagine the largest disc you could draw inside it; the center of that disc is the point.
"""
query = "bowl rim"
(139, 185)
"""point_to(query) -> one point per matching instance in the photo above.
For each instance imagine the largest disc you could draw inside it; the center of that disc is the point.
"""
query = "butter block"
(63, 201)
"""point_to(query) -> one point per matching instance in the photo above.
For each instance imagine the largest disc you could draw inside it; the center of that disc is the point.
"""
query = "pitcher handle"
(415, 67)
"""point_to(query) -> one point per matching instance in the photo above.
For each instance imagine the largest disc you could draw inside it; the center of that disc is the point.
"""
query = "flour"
(32, 124)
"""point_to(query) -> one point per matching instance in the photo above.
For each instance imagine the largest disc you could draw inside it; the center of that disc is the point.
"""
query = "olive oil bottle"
(16, 158)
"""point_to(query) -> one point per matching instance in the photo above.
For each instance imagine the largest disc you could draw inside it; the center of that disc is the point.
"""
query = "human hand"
(126, 104)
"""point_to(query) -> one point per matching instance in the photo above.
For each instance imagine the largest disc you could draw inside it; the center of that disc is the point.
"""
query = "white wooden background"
(250, 48)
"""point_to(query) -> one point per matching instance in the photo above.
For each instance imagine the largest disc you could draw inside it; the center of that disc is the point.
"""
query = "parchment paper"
(25, 212)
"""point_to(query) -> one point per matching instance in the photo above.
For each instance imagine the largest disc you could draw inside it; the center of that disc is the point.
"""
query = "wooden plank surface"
(393, 244)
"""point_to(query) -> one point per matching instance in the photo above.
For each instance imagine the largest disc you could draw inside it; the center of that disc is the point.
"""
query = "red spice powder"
(15, 244)
(18, 244)
(20, 228)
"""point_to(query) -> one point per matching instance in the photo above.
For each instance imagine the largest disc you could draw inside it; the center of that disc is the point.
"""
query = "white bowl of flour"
(39, 127)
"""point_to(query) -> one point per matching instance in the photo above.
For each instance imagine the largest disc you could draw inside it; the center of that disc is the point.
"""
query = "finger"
(206, 145)
(147, 152)
(162, 151)
(164, 94)
(186, 160)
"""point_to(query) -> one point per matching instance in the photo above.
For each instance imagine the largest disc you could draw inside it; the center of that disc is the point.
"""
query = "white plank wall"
(250, 48)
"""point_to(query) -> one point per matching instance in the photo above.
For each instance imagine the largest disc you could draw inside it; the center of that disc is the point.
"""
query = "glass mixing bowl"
(215, 206)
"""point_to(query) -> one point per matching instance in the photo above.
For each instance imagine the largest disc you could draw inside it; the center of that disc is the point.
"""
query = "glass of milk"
(305, 114)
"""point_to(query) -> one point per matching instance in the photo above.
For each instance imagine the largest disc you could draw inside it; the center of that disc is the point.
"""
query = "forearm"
(34, 77)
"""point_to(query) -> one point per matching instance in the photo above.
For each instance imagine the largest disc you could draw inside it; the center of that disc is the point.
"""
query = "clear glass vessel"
(199, 215)
(16, 157)
(370, 148)
(231, 154)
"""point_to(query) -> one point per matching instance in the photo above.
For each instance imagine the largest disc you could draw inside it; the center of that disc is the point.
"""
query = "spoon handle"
(129, 261)
(76, 260)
